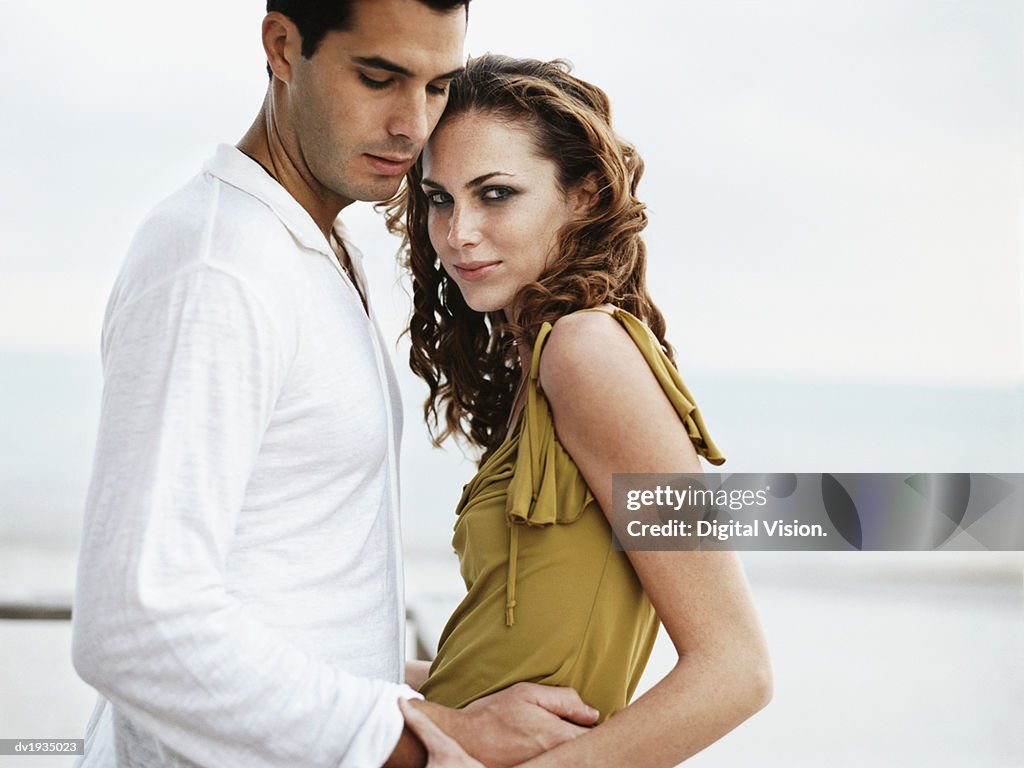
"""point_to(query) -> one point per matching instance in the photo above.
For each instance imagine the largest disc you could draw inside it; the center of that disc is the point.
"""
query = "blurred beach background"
(836, 193)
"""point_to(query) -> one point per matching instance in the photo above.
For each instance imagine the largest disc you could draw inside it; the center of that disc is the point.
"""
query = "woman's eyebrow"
(469, 185)
(481, 179)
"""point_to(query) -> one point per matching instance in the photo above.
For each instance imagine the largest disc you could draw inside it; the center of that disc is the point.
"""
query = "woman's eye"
(497, 193)
(377, 85)
(438, 199)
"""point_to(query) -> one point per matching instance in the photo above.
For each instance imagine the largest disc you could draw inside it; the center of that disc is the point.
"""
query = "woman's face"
(494, 207)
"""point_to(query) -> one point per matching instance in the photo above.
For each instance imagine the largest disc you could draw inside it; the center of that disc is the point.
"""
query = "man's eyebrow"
(379, 62)
(469, 185)
(451, 75)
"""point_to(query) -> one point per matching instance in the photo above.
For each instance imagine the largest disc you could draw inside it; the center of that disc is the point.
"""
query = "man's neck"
(264, 144)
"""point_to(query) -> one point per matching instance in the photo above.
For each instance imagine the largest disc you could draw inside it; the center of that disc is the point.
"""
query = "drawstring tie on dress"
(510, 583)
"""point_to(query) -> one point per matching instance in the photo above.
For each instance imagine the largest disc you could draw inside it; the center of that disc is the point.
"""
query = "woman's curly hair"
(467, 358)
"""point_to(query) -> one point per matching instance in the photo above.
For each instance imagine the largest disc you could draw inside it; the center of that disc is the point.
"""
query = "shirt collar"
(234, 167)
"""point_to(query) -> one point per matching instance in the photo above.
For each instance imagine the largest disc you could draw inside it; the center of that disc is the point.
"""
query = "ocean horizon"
(49, 411)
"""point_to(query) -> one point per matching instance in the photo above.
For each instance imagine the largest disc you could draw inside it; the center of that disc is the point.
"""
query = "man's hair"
(315, 18)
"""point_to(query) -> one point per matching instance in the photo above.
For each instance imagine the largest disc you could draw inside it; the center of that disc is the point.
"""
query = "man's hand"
(513, 725)
(442, 750)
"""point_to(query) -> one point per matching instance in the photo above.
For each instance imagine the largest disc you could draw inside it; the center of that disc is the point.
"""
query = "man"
(239, 593)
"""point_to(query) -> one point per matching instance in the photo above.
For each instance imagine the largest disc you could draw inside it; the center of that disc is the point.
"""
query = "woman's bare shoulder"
(586, 353)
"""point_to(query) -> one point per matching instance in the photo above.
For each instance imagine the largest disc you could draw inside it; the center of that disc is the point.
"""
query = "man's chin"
(379, 192)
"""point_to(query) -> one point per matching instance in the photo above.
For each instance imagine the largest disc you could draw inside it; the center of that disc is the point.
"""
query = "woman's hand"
(442, 750)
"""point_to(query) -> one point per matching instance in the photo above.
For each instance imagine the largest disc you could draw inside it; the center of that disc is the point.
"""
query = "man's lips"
(475, 270)
(389, 165)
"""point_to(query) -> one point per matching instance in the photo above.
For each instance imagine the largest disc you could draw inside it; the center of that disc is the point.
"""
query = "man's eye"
(377, 85)
(438, 90)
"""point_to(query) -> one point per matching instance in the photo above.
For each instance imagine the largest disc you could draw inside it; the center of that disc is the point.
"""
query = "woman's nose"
(464, 228)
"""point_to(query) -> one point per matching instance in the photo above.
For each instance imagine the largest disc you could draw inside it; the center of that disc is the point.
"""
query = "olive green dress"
(550, 600)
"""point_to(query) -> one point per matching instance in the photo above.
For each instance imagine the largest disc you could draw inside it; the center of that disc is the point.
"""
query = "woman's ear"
(584, 196)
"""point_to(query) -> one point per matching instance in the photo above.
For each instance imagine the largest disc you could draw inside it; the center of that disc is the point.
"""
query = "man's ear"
(585, 195)
(282, 44)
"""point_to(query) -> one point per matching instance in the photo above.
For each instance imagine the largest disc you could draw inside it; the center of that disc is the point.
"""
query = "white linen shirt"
(240, 594)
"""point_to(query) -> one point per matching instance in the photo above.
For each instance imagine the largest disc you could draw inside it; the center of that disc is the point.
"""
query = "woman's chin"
(483, 304)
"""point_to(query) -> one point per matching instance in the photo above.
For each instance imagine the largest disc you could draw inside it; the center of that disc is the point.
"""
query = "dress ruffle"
(546, 487)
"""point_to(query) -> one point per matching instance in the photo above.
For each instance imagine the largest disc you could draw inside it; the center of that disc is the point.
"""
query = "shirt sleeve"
(192, 369)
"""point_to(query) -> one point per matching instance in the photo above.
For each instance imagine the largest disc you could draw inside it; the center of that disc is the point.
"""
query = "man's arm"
(192, 371)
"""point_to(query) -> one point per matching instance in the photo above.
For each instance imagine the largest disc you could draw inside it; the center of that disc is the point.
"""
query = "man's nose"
(411, 119)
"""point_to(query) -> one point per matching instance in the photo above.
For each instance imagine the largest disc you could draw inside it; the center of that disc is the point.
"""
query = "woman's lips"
(476, 271)
(389, 166)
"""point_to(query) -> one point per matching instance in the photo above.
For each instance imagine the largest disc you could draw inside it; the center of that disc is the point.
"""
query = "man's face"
(362, 107)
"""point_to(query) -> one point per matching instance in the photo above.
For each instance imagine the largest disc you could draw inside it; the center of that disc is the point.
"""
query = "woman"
(540, 344)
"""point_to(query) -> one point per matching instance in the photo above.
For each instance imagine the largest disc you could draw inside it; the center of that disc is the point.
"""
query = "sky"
(835, 189)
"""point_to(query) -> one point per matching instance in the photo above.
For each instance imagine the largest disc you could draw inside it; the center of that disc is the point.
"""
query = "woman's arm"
(416, 672)
(612, 416)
